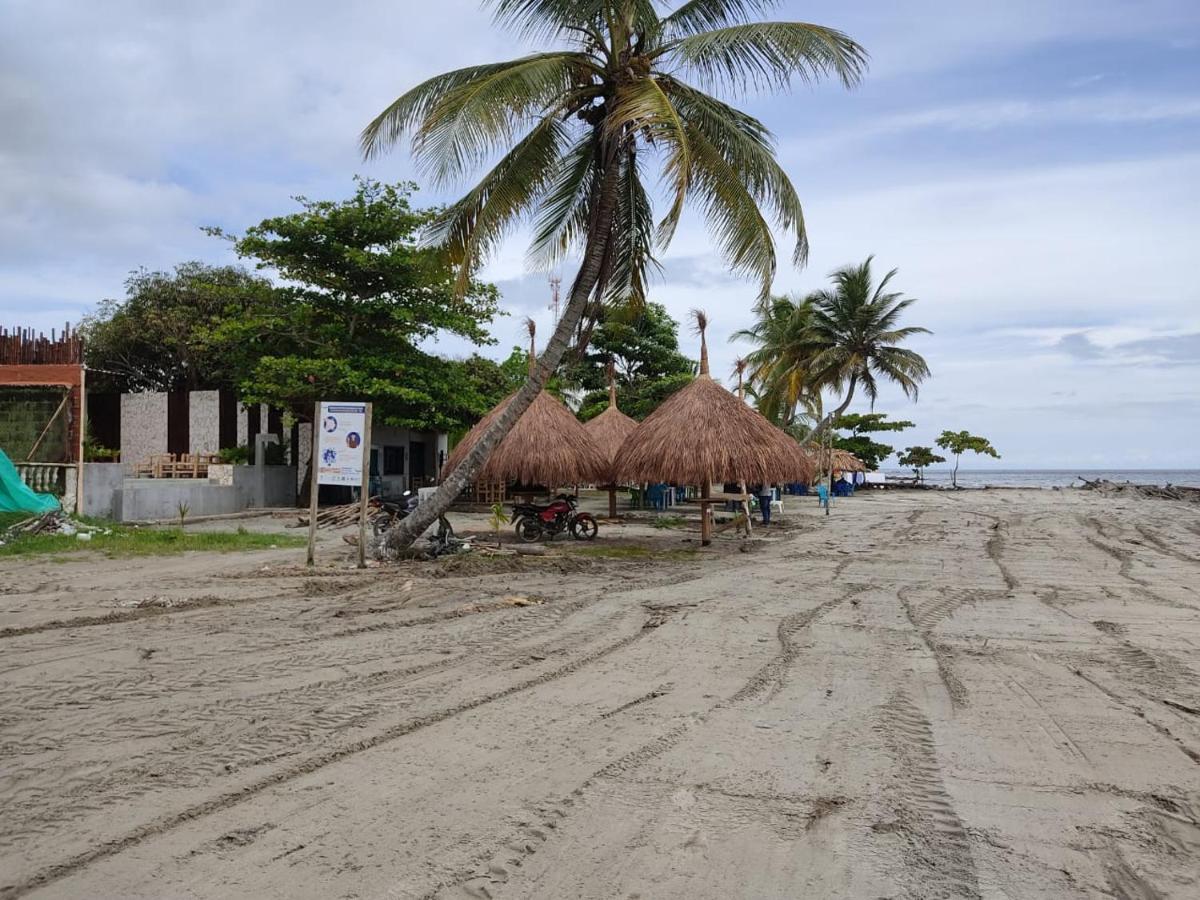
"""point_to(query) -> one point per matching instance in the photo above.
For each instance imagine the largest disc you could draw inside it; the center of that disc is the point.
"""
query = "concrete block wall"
(143, 426)
(24, 412)
(204, 421)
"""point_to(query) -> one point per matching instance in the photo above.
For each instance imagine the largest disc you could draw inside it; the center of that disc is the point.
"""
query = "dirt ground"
(972, 694)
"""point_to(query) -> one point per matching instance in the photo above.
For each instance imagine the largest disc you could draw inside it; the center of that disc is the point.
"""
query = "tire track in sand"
(493, 867)
(769, 679)
(167, 823)
(239, 735)
(938, 842)
(927, 617)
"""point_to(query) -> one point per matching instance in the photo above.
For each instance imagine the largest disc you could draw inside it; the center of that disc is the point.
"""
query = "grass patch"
(634, 553)
(667, 521)
(124, 541)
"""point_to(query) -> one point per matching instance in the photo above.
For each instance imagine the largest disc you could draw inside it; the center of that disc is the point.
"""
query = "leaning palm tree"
(576, 129)
(779, 367)
(853, 328)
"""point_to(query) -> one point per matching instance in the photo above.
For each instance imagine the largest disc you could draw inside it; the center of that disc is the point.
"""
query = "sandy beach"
(971, 694)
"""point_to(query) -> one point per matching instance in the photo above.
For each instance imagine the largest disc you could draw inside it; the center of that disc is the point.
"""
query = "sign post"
(340, 445)
(313, 483)
(365, 492)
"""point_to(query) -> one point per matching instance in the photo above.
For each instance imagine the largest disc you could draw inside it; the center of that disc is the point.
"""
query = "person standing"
(766, 494)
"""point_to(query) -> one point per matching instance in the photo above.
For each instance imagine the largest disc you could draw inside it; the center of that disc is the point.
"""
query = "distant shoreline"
(1052, 478)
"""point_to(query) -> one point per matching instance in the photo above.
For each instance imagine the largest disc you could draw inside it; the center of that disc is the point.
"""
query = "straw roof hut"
(703, 434)
(845, 461)
(547, 446)
(609, 430)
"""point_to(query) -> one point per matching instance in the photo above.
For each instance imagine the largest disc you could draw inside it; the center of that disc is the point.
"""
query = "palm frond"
(562, 215)
(747, 145)
(768, 55)
(642, 107)
(403, 114)
(477, 223)
(548, 19)
(471, 121)
(734, 220)
(702, 15)
(632, 239)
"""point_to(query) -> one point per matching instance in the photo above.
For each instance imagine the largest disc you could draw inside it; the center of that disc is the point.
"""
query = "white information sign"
(341, 429)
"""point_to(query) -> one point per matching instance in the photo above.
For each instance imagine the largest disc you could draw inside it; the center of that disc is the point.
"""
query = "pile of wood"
(1129, 489)
(332, 517)
(45, 523)
(53, 522)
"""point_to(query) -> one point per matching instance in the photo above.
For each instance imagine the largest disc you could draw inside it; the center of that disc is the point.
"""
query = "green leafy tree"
(159, 337)
(359, 297)
(960, 442)
(859, 426)
(919, 459)
(643, 344)
(573, 129)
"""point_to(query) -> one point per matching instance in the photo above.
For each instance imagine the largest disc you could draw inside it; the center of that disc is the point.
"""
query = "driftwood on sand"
(1129, 489)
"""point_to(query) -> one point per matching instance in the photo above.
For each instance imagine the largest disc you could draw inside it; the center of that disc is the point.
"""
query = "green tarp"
(15, 495)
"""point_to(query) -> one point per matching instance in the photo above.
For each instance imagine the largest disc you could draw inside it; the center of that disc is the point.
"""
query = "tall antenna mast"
(555, 282)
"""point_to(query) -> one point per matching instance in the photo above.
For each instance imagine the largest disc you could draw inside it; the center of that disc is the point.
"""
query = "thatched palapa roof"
(610, 429)
(845, 461)
(703, 433)
(547, 446)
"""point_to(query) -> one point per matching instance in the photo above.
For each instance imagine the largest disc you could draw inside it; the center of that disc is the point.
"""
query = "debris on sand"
(1129, 489)
(53, 522)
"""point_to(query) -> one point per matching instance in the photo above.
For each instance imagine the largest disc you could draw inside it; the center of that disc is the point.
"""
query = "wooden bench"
(170, 465)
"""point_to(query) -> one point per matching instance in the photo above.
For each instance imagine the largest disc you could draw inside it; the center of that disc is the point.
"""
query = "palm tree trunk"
(585, 282)
(832, 417)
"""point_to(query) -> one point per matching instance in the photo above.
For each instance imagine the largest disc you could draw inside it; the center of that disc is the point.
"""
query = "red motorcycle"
(534, 521)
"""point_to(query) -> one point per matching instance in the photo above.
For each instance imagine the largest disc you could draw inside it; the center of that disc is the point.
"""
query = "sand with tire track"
(972, 694)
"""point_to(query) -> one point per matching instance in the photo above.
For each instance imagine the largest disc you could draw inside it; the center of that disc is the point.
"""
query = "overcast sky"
(1032, 169)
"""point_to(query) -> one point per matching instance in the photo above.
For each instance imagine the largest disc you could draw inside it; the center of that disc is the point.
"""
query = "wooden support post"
(745, 505)
(705, 525)
(313, 488)
(365, 493)
(46, 430)
(82, 438)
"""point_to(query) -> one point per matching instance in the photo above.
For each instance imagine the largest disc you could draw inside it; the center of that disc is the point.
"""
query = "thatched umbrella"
(845, 461)
(547, 446)
(609, 430)
(702, 434)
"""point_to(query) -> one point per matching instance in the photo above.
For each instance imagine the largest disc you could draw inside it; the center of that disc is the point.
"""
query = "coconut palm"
(853, 327)
(575, 130)
(779, 368)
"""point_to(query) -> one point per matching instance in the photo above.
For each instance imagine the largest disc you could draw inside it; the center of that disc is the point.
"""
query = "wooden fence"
(25, 347)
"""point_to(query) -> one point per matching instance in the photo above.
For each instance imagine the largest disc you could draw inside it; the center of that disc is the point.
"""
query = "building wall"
(204, 421)
(143, 426)
(102, 484)
(381, 436)
(24, 414)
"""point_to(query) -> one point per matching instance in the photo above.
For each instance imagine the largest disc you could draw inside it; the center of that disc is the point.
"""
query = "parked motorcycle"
(389, 512)
(535, 521)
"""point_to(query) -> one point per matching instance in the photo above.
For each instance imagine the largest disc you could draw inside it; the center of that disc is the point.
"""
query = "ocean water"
(1049, 478)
